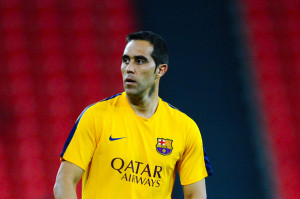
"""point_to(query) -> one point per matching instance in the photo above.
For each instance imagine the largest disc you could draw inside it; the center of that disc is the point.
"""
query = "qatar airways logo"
(138, 172)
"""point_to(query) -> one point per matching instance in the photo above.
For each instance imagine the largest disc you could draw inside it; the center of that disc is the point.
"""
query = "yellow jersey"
(127, 156)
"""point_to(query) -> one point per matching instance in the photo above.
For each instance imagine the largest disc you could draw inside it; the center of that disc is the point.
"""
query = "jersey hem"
(73, 162)
(187, 182)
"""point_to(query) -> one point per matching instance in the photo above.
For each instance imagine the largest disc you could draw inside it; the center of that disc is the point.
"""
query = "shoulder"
(176, 114)
(182, 125)
(101, 106)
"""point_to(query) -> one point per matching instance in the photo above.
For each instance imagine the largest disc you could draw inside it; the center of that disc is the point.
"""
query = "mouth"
(129, 81)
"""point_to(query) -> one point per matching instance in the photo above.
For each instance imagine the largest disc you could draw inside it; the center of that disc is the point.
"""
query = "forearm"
(196, 197)
(67, 178)
(64, 189)
(195, 191)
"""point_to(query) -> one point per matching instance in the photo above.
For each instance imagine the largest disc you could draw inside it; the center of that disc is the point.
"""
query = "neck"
(144, 105)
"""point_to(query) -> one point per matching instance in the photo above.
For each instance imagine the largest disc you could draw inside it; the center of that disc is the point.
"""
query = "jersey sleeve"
(81, 142)
(194, 164)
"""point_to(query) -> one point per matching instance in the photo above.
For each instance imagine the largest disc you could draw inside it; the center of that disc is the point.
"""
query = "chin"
(131, 91)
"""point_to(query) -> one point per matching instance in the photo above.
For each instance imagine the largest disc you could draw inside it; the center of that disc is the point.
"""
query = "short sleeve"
(194, 164)
(81, 142)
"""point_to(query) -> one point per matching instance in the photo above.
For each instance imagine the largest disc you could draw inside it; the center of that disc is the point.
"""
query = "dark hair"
(160, 52)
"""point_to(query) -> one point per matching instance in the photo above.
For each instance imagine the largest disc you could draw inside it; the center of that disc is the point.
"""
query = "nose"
(130, 68)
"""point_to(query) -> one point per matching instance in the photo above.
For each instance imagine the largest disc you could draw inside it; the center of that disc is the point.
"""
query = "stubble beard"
(138, 92)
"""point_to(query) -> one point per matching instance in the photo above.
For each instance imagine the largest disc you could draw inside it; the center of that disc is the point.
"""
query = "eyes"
(140, 61)
(137, 60)
(125, 60)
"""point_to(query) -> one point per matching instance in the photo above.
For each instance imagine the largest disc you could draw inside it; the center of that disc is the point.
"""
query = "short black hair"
(160, 52)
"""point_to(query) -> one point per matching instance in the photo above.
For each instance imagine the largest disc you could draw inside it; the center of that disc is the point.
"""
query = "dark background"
(208, 80)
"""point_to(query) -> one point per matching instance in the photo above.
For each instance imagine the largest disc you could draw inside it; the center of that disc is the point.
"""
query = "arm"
(196, 190)
(67, 178)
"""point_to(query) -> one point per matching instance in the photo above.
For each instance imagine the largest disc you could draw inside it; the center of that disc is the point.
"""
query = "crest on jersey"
(164, 146)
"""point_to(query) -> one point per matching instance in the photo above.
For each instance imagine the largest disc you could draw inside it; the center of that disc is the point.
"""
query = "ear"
(161, 70)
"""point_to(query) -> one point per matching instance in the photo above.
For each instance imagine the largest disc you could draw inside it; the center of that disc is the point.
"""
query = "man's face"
(138, 68)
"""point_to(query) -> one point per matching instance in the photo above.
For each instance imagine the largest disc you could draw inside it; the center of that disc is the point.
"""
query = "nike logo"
(113, 139)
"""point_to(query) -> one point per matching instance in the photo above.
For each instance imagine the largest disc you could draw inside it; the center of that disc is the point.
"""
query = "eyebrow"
(141, 57)
(135, 57)
(125, 56)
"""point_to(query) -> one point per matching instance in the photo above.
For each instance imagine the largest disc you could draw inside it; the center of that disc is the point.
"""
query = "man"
(131, 144)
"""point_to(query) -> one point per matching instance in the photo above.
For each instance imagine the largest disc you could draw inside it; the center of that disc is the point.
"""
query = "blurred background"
(234, 68)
